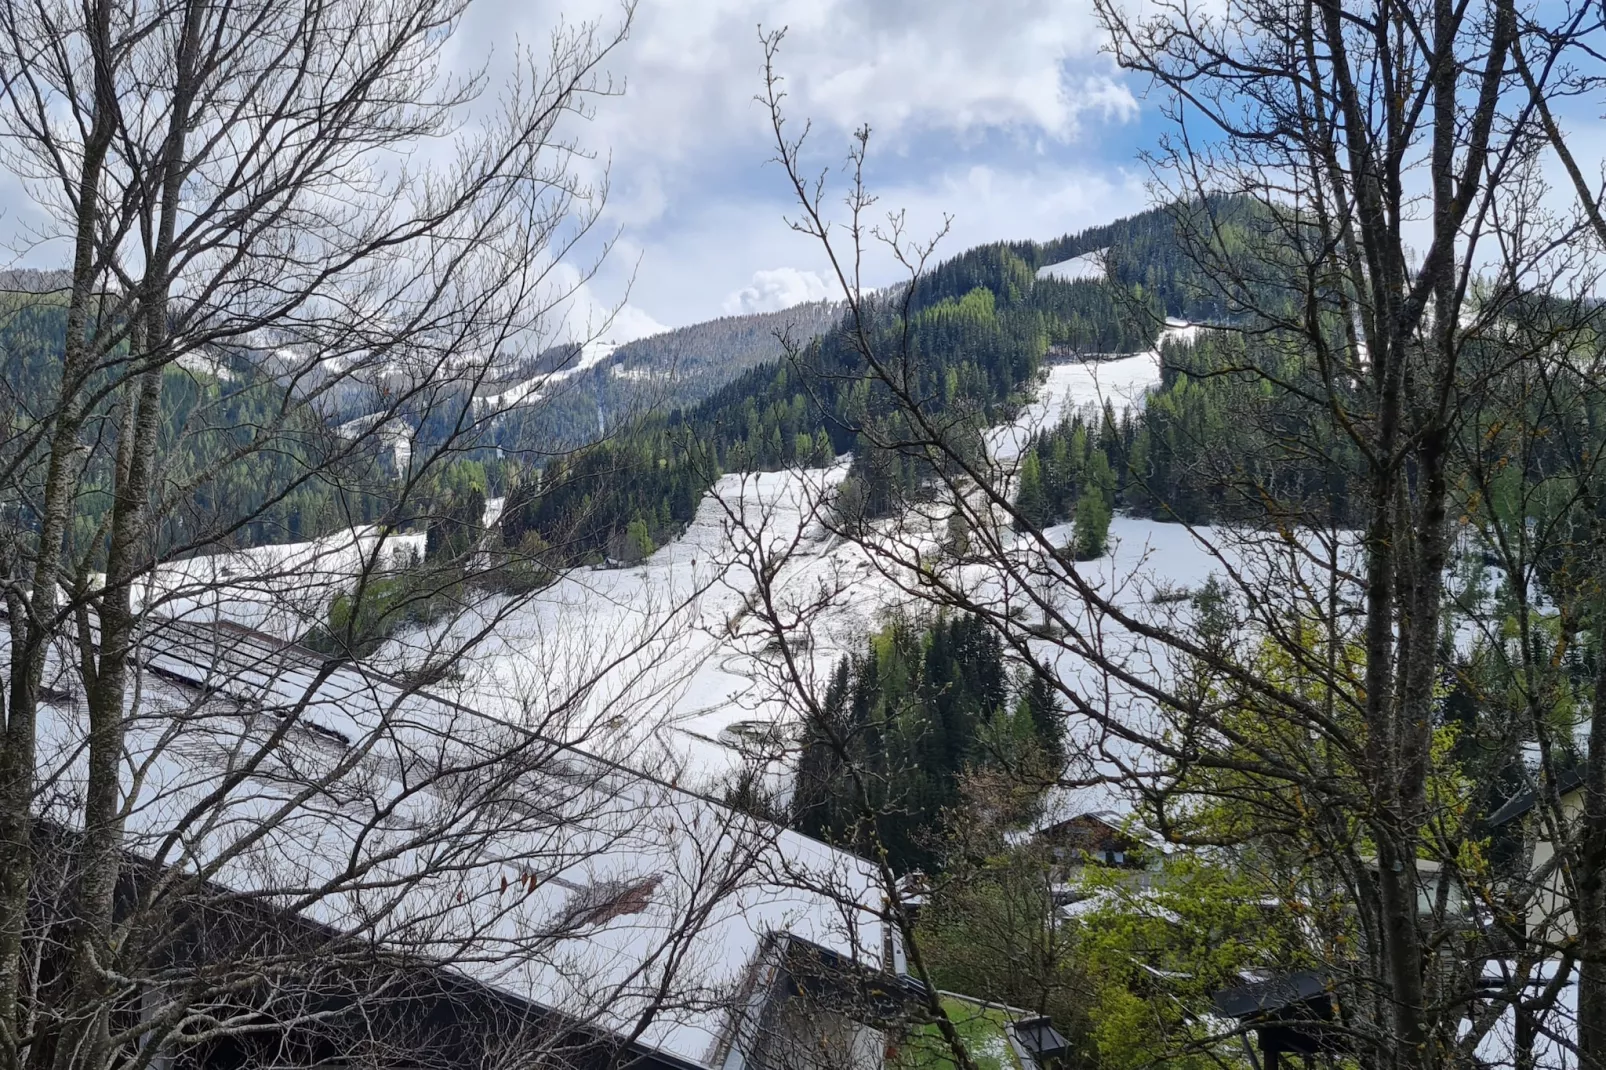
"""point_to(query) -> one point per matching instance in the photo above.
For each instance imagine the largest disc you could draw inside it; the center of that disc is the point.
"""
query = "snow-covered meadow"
(669, 662)
(673, 665)
(280, 589)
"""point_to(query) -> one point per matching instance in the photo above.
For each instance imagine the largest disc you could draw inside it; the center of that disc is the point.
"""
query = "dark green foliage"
(1212, 610)
(241, 461)
(361, 619)
(1213, 443)
(1156, 254)
(1087, 316)
(582, 506)
(1039, 706)
(979, 329)
(456, 520)
(1218, 442)
(904, 719)
(1066, 474)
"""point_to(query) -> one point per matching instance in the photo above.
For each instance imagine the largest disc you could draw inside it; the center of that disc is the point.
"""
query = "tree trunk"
(1591, 882)
(96, 947)
(18, 756)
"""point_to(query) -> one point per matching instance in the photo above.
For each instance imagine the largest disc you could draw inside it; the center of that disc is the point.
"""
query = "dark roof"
(1567, 780)
(1040, 1039)
(1108, 818)
(1271, 995)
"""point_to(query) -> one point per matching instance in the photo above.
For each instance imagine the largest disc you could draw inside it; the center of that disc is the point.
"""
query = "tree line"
(918, 709)
(979, 328)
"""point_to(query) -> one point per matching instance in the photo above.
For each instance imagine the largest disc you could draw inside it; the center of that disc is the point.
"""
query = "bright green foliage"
(637, 543)
(1090, 536)
(1153, 956)
(1066, 474)
(990, 925)
(980, 1028)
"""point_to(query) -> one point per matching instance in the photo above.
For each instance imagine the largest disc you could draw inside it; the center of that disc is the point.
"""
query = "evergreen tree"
(1030, 501)
(1091, 533)
(637, 542)
(1040, 706)
(910, 710)
(457, 517)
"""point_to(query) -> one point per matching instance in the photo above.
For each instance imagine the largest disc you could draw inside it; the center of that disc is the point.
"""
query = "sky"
(1003, 114)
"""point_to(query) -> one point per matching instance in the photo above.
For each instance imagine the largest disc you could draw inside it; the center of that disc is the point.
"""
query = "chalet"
(1548, 914)
(1101, 837)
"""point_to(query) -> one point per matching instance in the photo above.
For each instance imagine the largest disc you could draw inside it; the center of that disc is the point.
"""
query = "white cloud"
(771, 291)
(691, 68)
(581, 310)
(958, 67)
(701, 265)
(943, 83)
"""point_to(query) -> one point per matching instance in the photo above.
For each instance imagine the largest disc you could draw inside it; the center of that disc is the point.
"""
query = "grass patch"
(981, 1029)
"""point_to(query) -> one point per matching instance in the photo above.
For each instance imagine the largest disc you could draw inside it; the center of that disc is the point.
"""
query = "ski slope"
(1077, 268)
(657, 662)
(1119, 381)
(667, 666)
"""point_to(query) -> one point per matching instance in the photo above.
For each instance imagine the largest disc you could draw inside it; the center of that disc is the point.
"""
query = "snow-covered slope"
(282, 589)
(667, 666)
(669, 658)
(1086, 266)
(1119, 380)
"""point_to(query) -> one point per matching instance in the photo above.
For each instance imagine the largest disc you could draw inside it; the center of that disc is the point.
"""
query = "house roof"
(1040, 1039)
(632, 877)
(1568, 780)
(1274, 994)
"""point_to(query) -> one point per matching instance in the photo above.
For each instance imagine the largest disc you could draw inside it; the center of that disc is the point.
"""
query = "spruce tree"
(1041, 708)
(1030, 501)
(1090, 537)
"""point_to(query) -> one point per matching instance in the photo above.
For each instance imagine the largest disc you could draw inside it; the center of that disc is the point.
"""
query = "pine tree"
(1030, 501)
(1091, 534)
(1040, 706)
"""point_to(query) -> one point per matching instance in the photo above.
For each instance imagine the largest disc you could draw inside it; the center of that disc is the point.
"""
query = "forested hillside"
(211, 410)
(1209, 444)
(921, 707)
(675, 410)
(978, 330)
(677, 368)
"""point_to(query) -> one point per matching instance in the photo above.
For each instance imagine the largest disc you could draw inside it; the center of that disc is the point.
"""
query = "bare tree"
(307, 258)
(1358, 190)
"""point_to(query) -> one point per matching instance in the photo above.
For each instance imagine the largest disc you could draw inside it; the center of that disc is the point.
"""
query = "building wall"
(799, 1035)
(1549, 916)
